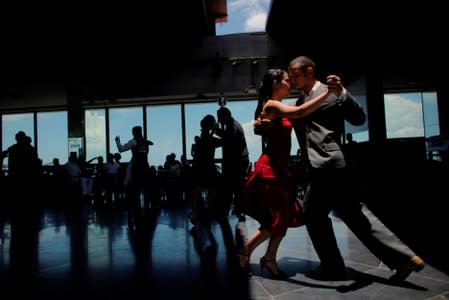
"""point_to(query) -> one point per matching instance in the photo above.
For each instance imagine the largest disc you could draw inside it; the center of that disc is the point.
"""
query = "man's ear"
(310, 72)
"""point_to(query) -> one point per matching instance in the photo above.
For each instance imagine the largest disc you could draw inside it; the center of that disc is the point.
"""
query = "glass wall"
(413, 114)
(52, 137)
(242, 111)
(121, 123)
(13, 123)
(95, 133)
(194, 113)
(430, 111)
(164, 128)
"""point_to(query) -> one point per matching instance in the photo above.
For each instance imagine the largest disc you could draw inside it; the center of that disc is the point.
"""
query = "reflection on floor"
(93, 253)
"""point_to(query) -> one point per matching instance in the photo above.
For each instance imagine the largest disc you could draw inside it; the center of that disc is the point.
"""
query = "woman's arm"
(274, 109)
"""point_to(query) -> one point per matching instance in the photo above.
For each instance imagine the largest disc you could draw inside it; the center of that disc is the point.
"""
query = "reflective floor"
(99, 253)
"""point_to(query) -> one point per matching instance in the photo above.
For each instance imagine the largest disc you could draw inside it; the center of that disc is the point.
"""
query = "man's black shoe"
(415, 264)
(328, 274)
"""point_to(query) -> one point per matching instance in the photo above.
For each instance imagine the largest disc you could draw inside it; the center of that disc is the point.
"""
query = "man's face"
(221, 118)
(297, 76)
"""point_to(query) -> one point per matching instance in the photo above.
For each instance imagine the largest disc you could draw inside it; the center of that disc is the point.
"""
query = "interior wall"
(30, 96)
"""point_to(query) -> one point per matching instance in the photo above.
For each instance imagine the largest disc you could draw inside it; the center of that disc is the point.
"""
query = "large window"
(413, 114)
(164, 129)
(242, 111)
(52, 136)
(13, 123)
(430, 112)
(121, 123)
(194, 113)
(95, 132)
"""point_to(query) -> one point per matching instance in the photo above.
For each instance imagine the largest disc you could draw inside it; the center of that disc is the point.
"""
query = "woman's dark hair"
(208, 119)
(266, 88)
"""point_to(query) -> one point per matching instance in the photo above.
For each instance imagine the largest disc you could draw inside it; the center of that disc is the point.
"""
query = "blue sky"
(244, 16)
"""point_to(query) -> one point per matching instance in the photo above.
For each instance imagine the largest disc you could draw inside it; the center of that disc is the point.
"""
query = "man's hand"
(334, 84)
(261, 125)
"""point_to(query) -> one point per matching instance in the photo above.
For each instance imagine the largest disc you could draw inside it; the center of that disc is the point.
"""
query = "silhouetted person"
(58, 182)
(111, 169)
(194, 149)
(206, 175)
(73, 171)
(173, 168)
(23, 175)
(235, 160)
(121, 174)
(138, 168)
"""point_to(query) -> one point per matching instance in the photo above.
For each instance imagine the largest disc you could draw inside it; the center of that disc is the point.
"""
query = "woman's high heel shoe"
(271, 265)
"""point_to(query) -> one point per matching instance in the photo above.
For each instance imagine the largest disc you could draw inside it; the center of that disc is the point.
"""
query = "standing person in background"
(194, 148)
(235, 161)
(121, 175)
(111, 169)
(23, 176)
(320, 135)
(205, 171)
(267, 197)
(138, 168)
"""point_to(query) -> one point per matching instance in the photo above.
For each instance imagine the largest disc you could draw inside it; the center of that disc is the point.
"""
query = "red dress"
(266, 194)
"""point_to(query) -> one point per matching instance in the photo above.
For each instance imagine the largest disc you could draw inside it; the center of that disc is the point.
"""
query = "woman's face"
(284, 85)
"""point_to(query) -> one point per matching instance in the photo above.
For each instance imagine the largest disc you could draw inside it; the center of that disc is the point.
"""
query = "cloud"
(256, 23)
(403, 116)
(252, 12)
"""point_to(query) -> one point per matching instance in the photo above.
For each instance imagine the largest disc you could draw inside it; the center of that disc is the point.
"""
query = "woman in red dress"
(266, 197)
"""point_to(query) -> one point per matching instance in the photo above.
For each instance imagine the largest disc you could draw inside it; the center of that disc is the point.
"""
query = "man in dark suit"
(235, 160)
(320, 136)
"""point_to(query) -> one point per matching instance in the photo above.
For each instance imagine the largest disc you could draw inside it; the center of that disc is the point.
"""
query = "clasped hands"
(334, 84)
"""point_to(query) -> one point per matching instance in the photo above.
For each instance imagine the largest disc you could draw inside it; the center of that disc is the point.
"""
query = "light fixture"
(221, 100)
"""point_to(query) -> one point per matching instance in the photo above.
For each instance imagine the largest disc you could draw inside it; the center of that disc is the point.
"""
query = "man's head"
(223, 115)
(301, 71)
(137, 131)
(20, 136)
